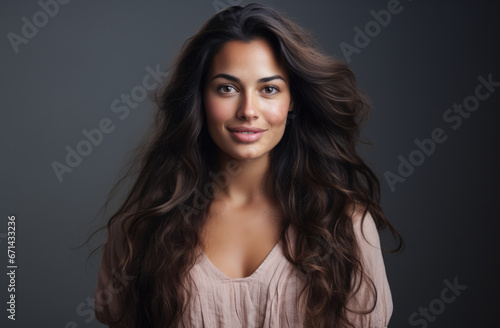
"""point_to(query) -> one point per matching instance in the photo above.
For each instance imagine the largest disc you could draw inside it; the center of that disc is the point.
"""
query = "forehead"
(254, 58)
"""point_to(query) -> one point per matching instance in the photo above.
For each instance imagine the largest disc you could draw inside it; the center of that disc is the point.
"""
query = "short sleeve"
(373, 264)
(107, 296)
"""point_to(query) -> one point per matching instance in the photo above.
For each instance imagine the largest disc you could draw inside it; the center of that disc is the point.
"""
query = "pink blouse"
(269, 297)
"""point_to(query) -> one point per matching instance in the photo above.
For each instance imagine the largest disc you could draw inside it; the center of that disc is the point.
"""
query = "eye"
(268, 90)
(225, 87)
(270, 87)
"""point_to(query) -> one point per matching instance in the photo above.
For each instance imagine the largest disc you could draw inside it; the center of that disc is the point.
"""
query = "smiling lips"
(246, 134)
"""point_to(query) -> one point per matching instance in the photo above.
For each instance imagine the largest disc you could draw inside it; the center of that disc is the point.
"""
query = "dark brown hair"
(318, 175)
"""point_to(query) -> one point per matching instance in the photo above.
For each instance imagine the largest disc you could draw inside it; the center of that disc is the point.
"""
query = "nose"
(248, 107)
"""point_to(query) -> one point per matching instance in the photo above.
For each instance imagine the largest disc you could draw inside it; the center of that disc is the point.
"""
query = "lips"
(246, 133)
(245, 129)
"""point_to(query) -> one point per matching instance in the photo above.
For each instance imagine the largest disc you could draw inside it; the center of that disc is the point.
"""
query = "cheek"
(277, 115)
(216, 111)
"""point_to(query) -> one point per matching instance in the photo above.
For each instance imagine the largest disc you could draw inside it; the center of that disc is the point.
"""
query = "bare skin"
(239, 238)
(244, 222)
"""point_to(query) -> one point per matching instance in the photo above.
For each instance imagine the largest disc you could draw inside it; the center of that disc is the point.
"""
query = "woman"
(252, 207)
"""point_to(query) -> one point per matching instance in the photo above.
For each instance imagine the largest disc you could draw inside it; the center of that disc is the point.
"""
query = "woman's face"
(247, 99)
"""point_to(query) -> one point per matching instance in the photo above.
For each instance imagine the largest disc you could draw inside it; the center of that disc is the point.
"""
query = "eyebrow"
(261, 80)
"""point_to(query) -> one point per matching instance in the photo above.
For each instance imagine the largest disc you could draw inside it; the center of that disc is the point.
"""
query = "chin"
(246, 155)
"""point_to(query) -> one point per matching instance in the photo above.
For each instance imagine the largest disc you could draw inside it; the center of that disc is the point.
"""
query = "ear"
(291, 106)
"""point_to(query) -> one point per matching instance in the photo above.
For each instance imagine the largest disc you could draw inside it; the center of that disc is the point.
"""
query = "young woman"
(251, 207)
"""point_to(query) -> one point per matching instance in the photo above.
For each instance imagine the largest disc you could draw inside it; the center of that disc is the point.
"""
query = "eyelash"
(267, 86)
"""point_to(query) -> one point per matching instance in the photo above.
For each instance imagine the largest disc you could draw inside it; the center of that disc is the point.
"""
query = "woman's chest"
(238, 240)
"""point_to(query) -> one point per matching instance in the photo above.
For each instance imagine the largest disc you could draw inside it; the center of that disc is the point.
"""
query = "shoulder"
(374, 275)
(364, 227)
(368, 239)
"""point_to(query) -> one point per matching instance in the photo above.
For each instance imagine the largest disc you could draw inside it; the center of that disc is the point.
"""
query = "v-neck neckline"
(222, 276)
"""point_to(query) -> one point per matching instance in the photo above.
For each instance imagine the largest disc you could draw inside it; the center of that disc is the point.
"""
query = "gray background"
(426, 59)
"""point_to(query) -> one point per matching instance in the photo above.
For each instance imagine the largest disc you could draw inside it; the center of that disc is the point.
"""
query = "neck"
(249, 184)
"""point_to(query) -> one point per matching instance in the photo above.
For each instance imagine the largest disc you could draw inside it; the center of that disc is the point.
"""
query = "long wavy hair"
(318, 176)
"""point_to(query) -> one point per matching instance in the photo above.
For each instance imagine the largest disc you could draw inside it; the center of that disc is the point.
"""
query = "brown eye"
(225, 88)
(270, 88)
